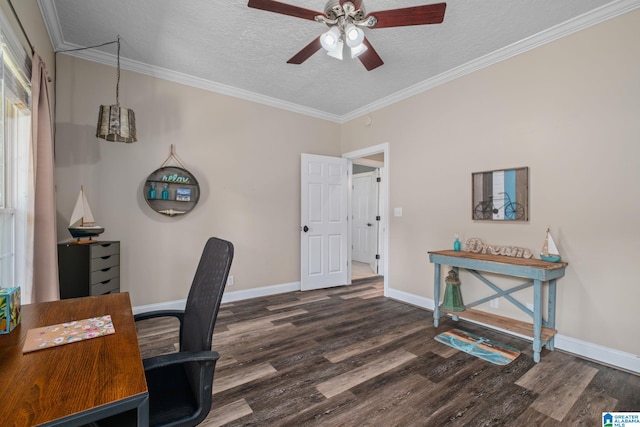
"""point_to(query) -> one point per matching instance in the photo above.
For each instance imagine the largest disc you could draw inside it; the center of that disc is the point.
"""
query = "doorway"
(365, 215)
(369, 162)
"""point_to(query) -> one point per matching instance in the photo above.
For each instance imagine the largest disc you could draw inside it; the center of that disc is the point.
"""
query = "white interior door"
(374, 229)
(324, 221)
(363, 225)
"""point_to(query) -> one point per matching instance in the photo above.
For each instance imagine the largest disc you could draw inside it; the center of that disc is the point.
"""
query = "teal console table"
(537, 271)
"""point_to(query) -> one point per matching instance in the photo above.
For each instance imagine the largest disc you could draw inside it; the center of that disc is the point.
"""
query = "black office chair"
(180, 384)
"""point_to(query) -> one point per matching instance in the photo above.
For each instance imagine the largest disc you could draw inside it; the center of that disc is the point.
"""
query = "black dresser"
(87, 269)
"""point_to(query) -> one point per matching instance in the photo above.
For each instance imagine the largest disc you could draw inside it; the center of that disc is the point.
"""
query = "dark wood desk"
(77, 383)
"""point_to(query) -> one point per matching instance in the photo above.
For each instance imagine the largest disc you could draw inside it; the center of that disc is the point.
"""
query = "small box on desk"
(9, 309)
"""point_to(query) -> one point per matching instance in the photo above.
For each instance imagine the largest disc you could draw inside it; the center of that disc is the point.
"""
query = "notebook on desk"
(68, 332)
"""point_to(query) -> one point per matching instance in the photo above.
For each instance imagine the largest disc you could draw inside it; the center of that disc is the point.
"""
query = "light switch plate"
(397, 211)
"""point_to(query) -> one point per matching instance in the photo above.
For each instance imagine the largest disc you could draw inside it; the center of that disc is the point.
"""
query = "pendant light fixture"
(117, 123)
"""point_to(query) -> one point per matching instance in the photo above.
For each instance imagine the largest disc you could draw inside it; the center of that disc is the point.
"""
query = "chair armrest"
(159, 313)
(180, 357)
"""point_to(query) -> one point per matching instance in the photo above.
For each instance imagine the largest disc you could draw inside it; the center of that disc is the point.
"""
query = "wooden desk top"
(53, 383)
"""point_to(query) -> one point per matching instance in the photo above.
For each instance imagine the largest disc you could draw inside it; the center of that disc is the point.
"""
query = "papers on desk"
(65, 333)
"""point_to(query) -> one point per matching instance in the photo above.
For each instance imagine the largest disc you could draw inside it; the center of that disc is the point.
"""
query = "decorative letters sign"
(475, 245)
(175, 178)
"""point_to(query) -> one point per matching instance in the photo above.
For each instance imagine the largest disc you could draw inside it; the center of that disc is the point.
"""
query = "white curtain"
(45, 253)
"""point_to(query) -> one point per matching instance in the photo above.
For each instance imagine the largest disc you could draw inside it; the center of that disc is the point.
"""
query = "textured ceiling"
(227, 47)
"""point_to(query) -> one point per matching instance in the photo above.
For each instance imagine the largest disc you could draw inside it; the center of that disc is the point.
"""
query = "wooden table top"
(524, 262)
(56, 382)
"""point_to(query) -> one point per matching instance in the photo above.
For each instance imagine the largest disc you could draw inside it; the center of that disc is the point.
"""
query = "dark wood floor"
(350, 357)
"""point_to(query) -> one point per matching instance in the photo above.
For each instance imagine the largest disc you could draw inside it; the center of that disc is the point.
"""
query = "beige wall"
(570, 112)
(245, 156)
(567, 110)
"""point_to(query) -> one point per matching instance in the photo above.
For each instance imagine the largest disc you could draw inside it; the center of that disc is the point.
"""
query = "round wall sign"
(172, 191)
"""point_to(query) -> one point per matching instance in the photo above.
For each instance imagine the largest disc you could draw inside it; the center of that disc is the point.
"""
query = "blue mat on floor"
(484, 348)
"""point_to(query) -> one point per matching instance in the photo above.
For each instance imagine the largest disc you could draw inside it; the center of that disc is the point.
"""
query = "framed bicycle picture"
(500, 195)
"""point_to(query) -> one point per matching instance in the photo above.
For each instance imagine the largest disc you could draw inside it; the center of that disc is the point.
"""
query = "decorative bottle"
(456, 243)
(152, 191)
(165, 192)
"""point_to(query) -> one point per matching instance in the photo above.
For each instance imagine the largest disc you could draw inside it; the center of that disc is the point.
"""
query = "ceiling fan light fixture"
(354, 36)
(337, 52)
(331, 39)
(358, 50)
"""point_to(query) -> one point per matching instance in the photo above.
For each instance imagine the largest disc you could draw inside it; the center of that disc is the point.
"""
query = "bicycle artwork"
(486, 209)
(500, 195)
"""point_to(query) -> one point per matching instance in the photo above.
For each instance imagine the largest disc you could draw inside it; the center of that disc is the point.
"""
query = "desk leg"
(537, 319)
(143, 413)
(436, 294)
(551, 313)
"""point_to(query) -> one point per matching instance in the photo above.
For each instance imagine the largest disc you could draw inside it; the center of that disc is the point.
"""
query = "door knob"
(305, 228)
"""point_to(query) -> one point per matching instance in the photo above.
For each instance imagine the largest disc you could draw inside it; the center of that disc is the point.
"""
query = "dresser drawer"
(105, 274)
(108, 286)
(99, 250)
(88, 268)
(104, 262)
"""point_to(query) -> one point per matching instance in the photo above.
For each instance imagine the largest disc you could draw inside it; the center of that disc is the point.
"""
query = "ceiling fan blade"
(417, 15)
(306, 52)
(285, 9)
(370, 58)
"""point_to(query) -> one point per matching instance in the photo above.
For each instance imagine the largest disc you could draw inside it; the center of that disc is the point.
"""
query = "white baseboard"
(260, 292)
(226, 297)
(598, 353)
(587, 350)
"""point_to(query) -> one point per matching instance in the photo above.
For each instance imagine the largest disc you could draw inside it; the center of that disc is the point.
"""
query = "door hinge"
(377, 256)
(378, 179)
(378, 218)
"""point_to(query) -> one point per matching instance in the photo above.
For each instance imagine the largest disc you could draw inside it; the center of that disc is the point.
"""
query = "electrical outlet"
(230, 280)
(493, 303)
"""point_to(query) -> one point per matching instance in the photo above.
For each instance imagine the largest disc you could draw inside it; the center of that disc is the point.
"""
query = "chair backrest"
(205, 295)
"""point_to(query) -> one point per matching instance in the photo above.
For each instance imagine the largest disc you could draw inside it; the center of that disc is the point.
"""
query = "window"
(15, 133)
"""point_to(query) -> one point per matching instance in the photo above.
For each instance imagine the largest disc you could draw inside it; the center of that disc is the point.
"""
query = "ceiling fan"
(345, 19)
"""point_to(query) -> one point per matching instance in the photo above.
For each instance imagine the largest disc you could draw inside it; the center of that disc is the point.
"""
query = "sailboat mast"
(545, 246)
(82, 194)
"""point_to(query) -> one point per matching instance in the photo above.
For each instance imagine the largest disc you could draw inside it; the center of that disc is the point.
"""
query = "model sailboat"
(549, 250)
(82, 223)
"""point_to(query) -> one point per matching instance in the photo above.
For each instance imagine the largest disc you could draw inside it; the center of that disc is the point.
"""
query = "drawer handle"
(106, 245)
(106, 269)
(105, 257)
(105, 282)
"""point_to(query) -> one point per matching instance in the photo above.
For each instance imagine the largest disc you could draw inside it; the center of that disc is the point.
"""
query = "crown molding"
(604, 13)
(188, 80)
(579, 23)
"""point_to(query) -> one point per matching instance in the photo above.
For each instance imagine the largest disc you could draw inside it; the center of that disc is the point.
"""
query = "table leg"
(551, 311)
(436, 294)
(143, 413)
(537, 319)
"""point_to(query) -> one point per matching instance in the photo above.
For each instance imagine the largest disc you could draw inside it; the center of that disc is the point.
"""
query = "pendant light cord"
(118, 81)
(118, 62)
